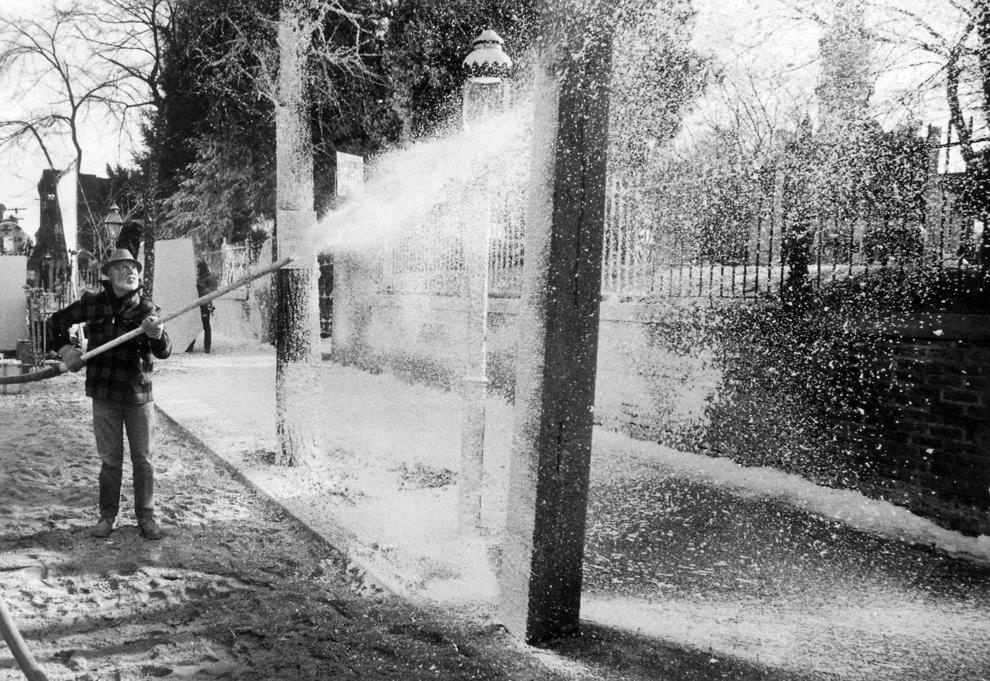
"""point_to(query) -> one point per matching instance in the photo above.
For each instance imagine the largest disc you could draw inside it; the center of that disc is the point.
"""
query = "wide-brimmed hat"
(120, 255)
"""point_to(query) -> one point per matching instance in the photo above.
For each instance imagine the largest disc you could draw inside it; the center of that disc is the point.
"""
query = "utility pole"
(540, 581)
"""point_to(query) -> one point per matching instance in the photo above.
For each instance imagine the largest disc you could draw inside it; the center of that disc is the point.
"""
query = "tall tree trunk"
(953, 71)
(297, 304)
(982, 22)
(540, 582)
(150, 231)
(982, 19)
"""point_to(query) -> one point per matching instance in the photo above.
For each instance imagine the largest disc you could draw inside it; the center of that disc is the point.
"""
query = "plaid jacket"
(123, 373)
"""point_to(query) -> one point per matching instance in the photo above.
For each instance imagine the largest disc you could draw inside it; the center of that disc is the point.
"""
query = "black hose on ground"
(47, 372)
(17, 646)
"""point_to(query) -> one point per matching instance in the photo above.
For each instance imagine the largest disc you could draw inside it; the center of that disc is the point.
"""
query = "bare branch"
(23, 128)
(940, 44)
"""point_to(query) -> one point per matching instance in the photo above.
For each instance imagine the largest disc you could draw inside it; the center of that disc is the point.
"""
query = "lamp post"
(484, 92)
(475, 381)
(112, 224)
(48, 269)
(486, 87)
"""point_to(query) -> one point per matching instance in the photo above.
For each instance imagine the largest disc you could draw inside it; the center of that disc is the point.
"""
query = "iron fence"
(647, 255)
(658, 244)
(39, 306)
(428, 258)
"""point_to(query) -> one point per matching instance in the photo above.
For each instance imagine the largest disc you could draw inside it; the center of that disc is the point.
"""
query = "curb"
(342, 540)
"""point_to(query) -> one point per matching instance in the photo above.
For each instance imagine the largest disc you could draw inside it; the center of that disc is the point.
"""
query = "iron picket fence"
(655, 248)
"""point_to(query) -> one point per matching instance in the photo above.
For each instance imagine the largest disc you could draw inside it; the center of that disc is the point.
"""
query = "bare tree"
(98, 60)
(130, 37)
(947, 43)
(50, 69)
(951, 38)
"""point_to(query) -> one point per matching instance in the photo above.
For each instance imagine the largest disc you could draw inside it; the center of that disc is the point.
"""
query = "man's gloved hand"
(152, 327)
(71, 356)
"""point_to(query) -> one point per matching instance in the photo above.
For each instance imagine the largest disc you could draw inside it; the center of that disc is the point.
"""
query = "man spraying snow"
(119, 383)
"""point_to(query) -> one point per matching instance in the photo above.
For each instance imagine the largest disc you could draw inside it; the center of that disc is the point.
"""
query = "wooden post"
(297, 316)
(540, 580)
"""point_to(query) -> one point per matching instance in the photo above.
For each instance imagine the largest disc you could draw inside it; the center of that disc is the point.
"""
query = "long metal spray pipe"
(61, 368)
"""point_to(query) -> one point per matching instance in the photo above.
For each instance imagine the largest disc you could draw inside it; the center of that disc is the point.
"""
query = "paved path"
(675, 555)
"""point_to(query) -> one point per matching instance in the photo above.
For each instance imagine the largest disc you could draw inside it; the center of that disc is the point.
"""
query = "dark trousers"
(204, 315)
(110, 420)
(205, 312)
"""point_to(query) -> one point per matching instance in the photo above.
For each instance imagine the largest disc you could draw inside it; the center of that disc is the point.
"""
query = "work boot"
(103, 528)
(150, 529)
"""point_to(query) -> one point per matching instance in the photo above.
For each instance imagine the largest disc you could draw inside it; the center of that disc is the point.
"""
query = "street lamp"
(487, 69)
(48, 270)
(113, 223)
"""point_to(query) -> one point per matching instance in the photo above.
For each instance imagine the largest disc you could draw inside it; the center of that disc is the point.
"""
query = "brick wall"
(933, 423)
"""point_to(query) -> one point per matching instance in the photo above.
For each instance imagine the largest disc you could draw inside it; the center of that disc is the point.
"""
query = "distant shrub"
(952, 290)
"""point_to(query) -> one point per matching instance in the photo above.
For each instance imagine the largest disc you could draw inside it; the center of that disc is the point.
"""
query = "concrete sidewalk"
(747, 563)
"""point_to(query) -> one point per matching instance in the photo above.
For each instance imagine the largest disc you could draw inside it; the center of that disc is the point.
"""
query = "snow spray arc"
(405, 185)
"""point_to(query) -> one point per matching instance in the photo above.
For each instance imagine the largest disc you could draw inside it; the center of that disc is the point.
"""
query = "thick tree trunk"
(540, 581)
(152, 196)
(982, 22)
(297, 305)
(953, 71)
(149, 260)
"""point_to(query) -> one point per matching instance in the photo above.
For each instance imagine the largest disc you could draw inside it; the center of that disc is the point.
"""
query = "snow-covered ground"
(740, 561)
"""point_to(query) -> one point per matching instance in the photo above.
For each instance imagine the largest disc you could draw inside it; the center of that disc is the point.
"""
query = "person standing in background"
(206, 282)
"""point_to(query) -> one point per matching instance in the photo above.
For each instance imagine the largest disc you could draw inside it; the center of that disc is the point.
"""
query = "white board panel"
(13, 309)
(175, 287)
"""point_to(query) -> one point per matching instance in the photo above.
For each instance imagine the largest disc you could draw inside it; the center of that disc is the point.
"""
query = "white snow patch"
(782, 635)
(847, 506)
(380, 493)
